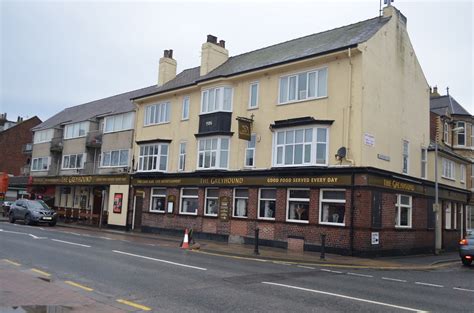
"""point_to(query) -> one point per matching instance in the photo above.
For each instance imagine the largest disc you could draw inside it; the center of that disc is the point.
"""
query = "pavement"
(426, 261)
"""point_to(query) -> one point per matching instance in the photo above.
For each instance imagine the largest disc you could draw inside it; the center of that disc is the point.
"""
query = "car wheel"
(466, 262)
(11, 218)
(53, 223)
(28, 220)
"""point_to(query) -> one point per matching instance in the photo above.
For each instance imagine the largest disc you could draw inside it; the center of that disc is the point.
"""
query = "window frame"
(253, 149)
(255, 83)
(296, 75)
(288, 199)
(235, 197)
(42, 136)
(48, 162)
(446, 133)
(218, 105)
(182, 197)
(78, 124)
(448, 167)
(462, 174)
(157, 156)
(207, 197)
(424, 163)
(152, 117)
(122, 128)
(218, 153)
(322, 200)
(120, 154)
(405, 156)
(398, 211)
(266, 199)
(182, 155)
(83, 161)
(463, 133)
(185, 108)
(157, 196)
(448, 226)
(313, 149)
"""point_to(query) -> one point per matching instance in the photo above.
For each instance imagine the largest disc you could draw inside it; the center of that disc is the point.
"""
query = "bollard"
(323, 246)
(255, 251)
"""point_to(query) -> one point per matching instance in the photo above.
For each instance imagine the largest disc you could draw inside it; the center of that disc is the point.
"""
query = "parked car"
(6, 207)
(466, 249)
(32, 212)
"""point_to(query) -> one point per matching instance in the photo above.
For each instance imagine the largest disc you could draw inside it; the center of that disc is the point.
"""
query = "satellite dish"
(341, 153)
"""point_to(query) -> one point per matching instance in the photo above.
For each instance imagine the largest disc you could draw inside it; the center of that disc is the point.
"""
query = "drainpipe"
(348, 137)
(351, 235)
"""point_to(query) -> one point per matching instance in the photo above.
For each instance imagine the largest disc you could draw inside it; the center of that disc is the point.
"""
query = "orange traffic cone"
(185, 244)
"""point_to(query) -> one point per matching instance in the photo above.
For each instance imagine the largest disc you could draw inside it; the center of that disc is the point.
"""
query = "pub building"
(308, 137)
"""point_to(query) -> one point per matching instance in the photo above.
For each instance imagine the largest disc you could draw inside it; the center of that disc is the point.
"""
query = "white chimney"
(167, 68)
(213, 54)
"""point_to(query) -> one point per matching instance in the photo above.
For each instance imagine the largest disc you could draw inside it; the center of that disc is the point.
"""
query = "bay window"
(461, 133)
(297, 206)
(153, 157)
(157, 113)
(216, 99)
(213, 153)
(332, 206)
(301, 86)
(303, 146)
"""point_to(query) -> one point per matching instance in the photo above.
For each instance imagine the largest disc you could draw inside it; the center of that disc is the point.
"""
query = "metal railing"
(94, 139)
(56, 144)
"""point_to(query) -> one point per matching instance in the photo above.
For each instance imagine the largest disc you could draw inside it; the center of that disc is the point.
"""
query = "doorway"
(137, 212)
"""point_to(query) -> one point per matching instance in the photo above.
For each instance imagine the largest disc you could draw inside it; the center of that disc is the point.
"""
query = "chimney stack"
(213, 54)
(434, 93)
(167, 68)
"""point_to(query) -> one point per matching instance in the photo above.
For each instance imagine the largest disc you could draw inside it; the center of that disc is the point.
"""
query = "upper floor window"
(76, 130)
(153, 157)
(305, 85)
(461, 133)
(250, 152)
(118, 122)
(448, 169)
(424, 162)
(40, 164)
(446, 133)
(253, 95)
(462, 179)
(43, 135)
(406, 156)
(302, 146)
(213, 153)
(185, 110)
(73, 161)
(182, 156)
(216, 99)
(157, 113)
(115, 158)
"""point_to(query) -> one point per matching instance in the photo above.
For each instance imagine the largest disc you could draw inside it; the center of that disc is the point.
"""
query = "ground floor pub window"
(241, 200)
(212, 200)
(332, 207)
(403, 211)
(157, 200)
(189, 201)
(266, 203)
(298, 205)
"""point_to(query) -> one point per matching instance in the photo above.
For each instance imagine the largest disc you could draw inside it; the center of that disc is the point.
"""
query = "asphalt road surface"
(156, 275)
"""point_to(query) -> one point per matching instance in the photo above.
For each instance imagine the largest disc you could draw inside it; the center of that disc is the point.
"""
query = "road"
(157, 275)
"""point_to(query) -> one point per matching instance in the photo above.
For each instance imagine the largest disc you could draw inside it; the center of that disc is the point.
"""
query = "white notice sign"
(375, 238)
(369, 140)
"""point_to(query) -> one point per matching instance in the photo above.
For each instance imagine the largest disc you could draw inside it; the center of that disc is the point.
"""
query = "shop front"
(94, 200)
(358, 211)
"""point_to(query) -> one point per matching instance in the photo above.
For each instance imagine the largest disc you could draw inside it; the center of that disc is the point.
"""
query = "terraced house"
(317, 135)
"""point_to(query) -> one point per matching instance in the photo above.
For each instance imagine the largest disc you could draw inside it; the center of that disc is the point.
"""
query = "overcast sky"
(56, 54)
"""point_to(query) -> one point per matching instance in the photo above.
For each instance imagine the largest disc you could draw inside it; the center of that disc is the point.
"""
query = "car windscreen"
(36, 205)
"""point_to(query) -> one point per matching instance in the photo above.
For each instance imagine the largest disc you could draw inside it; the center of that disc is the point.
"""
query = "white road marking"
(361, 275)
(394, 279)
(462, 289)
(70, 232)
(107, 238)
(345, 297)
(159, 260)
(71, 243)
(282, 263)
(308, 267)
(330, 271)
(36, 237)
(427, 284)
(12, 232)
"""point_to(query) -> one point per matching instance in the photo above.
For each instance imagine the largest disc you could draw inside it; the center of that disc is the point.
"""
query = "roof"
(108, 106)
(446, 104)
(288, 51)
(15, 127)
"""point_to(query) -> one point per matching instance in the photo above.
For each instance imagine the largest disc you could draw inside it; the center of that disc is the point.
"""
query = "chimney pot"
(222, 43)
(212, 39)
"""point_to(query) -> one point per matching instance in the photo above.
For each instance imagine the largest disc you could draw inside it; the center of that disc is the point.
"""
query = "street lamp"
(436, 207)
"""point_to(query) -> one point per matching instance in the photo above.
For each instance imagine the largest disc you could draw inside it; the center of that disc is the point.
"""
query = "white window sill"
(156, 124)
(74, 137)
(210, 215)
(40, 170)
(150, 171)
(154, 211)
(212, 169)
(117, 131)
(217, 111)
(402, 227)
(303, 100)
(332, 224)
(251, 109)
(297, 221)
(118, 166)
(184, 119)
(188, 213)
(298, 165)
(266, 218)
(241, 217)
(448, 178)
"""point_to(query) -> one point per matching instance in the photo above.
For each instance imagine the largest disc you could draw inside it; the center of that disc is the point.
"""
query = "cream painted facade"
(373, 89)
(119, 219)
